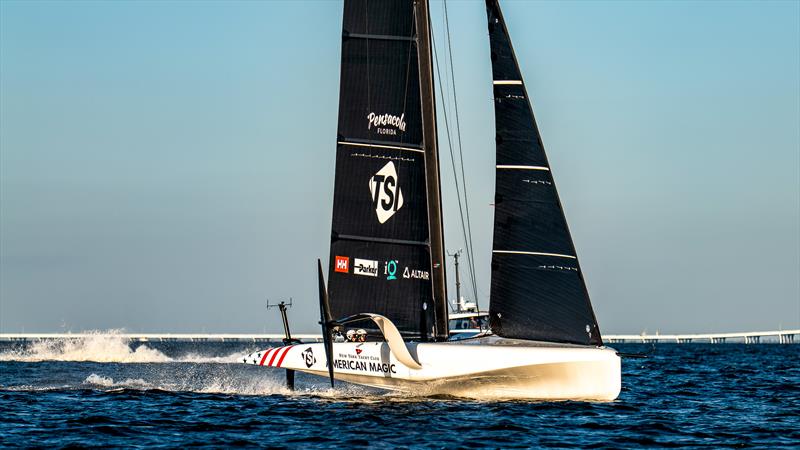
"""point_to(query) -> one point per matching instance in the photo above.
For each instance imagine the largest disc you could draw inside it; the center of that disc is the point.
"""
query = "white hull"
(491, 367)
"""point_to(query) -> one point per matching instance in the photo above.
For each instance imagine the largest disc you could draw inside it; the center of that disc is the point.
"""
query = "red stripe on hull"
(275, 355)
(264, 358)
(280, 361)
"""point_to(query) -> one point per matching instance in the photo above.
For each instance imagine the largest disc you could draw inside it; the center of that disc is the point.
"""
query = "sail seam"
(393, 147)
(519, 252)
(384, 37)
(379, 142)
(349, 237)
(502, 166)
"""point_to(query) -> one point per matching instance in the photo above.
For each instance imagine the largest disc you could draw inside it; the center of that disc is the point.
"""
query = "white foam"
(109, 382)
(103, 346)
(227, 359)
(99, 380)
(222, 380)
(218, 384)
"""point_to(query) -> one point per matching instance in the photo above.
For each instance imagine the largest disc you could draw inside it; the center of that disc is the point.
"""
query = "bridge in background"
(751, 337)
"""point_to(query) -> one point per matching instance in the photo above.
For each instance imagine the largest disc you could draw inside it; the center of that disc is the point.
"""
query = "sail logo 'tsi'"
(382, 121)
(387, 197)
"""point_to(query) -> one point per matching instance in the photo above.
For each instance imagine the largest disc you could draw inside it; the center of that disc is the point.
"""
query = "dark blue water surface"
(109, 392)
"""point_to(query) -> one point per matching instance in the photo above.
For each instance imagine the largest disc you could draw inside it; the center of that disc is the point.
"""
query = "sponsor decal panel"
(342, 264)
(387, 124)
(416, 274)
(366, 267)
(390, 269)
(363, 363)
(387, 197)
(364, 366)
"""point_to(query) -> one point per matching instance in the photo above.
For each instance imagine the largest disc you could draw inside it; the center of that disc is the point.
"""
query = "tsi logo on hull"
(366, 267)
(387, 197)
(308, 357)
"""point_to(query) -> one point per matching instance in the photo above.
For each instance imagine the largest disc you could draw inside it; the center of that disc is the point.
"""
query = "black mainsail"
(386, 240)
(538, 291)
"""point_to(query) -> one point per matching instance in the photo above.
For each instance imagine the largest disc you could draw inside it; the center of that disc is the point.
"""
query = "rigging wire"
(450, 143)
(465, 233)
(470, 253)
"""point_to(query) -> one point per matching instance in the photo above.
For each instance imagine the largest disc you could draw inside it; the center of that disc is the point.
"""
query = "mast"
(430, 144)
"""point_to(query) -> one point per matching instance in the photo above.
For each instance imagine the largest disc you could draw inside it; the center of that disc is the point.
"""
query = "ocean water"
(105, 391)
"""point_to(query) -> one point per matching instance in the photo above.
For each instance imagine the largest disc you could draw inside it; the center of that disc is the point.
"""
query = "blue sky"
(168, 166)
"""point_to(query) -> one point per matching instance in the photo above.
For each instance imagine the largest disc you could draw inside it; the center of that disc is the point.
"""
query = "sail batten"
(379, 240)
(520, 252)
(385, 37)
(376, 145)
(520, 167)
(538, 291)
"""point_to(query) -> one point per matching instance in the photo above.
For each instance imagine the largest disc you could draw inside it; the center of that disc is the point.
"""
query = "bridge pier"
(752, 339)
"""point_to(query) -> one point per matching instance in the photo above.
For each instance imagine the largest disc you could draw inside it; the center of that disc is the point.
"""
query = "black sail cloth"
(380, 253)
(538, 291)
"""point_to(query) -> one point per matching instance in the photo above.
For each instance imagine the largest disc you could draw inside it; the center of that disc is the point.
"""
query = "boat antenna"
(287, 339)
(325, 320)
(282, 306)
(455, 256)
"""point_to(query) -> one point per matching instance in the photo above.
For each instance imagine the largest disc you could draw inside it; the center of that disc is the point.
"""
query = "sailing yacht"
(386, 270)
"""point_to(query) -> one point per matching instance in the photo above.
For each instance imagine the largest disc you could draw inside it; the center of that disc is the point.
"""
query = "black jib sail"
(381, 243)
(538, 291)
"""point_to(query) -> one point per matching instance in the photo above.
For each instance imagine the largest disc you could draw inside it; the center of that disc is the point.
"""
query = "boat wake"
(105, 347)
(210, 384)
(108, 362)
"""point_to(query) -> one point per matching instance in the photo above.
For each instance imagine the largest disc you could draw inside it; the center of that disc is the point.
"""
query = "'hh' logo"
(387, 197)
(342, 264)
